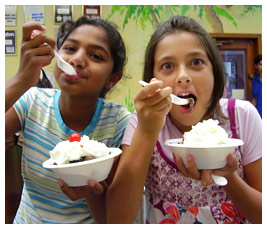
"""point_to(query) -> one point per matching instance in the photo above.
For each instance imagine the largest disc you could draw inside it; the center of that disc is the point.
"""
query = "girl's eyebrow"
(99, 47)
(197, 53)
(193, 54)
(165, 58)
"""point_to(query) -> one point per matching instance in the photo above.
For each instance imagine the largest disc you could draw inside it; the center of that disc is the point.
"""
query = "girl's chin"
(186, 119)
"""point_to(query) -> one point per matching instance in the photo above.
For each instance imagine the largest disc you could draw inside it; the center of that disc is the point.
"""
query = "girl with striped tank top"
(96, 51)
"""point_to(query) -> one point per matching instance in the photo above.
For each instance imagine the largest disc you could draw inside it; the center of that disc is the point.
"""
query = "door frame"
(225, 41)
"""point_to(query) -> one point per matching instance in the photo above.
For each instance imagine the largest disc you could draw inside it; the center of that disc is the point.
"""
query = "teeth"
(184, 94)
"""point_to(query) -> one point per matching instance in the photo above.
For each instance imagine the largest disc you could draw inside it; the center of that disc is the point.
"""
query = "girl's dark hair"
(181, 23)
(116, 44)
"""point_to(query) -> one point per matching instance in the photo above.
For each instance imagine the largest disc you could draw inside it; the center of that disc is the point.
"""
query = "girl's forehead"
(89, 30)
(90, 35)
(181, 37)
(180, 41)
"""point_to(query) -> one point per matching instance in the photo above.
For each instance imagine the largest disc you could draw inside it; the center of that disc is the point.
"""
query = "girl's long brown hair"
(181, 23)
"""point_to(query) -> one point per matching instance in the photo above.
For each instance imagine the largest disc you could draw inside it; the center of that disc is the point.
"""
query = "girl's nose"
(78, 59)
(183, 77)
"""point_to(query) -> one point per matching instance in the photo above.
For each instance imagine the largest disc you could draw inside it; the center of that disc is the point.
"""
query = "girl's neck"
(77, 112)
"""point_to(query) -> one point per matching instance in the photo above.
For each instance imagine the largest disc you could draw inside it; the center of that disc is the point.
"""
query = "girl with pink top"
(184, 60)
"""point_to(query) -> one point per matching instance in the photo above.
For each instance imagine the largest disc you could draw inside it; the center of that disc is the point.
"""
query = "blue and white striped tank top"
(42, 200)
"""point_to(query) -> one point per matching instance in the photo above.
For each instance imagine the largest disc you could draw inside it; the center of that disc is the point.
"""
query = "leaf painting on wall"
(154, 14)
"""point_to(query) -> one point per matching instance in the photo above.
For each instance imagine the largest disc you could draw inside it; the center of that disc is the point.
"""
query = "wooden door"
(238, 52)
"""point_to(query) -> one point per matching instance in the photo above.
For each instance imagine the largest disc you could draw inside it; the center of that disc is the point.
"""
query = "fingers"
(68, 191)
(97, 188)
(230, 167)
(41, 40)
(75, 193)
(180, 164)
(38, 39)
(232, 163)
(153, 86)
(192, 171)
(152, 98)
(28, 28)
(192, 168)
(159, 102)
(36, 52)
(206, 179)
(204, 175)
(152, 93)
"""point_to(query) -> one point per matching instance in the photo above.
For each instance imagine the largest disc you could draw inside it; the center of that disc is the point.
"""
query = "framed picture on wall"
(10, 42)
(62, 13)
(92, 11)
(10, 15)
(34, 13)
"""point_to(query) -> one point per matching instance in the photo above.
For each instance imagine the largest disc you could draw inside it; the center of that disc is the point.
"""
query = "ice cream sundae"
(206, 133)
(77, 149)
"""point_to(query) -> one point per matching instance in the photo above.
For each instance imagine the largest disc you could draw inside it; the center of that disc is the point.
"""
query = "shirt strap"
(231, 113)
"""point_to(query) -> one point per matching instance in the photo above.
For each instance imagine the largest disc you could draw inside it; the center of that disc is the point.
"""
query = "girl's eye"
(166, 66)
(197, 62)
(69, 49)
(97, 57)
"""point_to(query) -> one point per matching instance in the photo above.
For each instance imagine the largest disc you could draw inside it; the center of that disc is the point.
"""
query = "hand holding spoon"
(175, 100)
(62, 64)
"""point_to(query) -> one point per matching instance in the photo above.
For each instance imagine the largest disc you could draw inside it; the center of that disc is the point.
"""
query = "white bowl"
(78, 174)
(206, 157)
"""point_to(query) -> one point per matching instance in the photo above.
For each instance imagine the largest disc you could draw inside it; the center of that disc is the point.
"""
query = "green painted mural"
(144, 14)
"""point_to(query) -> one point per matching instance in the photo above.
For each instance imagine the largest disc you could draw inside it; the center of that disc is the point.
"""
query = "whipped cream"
(206, 133)
(67, 151)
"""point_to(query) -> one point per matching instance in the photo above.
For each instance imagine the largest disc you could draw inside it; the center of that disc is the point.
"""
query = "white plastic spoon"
(175, 100)
(219, 180)
(66, 67)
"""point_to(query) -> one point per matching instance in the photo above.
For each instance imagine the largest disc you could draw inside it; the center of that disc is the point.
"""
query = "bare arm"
(247, 197)
(96, 198)
(94, 194)
(34, 56)
(12, 123)
(127, 190)
(127, 187)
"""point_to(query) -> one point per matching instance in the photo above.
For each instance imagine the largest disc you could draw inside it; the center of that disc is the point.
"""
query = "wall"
(12, 61)
(136, 37)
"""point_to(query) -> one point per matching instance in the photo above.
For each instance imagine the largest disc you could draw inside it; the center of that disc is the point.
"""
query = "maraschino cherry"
(75, 137)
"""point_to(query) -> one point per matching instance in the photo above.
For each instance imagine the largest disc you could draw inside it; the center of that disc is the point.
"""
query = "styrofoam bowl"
(78, 174)
(206, 157)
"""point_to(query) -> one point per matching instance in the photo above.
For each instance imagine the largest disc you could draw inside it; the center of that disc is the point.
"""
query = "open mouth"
(192, 100)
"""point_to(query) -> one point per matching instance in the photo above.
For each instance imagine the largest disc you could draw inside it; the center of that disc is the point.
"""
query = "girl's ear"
(114, 78)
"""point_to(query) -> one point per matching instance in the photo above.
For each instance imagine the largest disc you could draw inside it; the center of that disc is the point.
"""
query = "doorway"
(238, 52)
